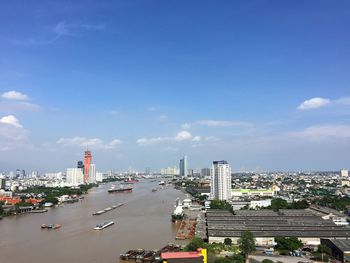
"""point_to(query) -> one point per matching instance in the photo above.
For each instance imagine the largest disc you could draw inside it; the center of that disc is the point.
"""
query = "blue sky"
(142, 83)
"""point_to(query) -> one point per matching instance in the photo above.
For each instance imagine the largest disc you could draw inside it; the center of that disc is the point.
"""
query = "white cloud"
(162, 118)
(11, 120)
(322, 132)
(12, 133)
(113, 144)
(18, 106)
(114, 112)
(14, 95)
(343, 101)
(182, 136)
(88, 142)
(150, 141)
(211, 139)
(196, 138)
(185, 126)
(223, 123)
(64, 29)
(314, 103)
(179, 137)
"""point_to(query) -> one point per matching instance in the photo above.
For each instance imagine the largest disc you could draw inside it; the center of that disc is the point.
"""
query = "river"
(143, 222)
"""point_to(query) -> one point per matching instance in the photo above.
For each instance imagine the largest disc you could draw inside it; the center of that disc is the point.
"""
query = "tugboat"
(103, 225)
(50, 226)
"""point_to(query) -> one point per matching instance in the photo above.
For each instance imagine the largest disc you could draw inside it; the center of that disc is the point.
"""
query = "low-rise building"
(340, 248)
(268, 224)
(251, 192)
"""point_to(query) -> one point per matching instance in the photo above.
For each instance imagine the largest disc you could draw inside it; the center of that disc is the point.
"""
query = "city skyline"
(142, 84)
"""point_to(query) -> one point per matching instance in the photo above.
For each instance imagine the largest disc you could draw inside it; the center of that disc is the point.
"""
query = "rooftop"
(342, 244)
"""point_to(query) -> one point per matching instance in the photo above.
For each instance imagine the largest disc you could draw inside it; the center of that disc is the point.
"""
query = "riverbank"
(137, 224)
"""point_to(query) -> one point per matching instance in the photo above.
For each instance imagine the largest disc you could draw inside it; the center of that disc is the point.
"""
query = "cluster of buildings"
(84, 173)
(183, 170)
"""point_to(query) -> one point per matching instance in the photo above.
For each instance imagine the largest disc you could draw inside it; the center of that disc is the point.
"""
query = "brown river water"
(143, 222)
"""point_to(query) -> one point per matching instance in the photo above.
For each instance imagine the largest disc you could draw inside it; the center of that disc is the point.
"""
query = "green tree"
(288, 244)
(303, 204)
(220, 204)
(324, 251)
(51, 199)
(1, 210)
(267, 261)
(228, 241)
(237, 258)
(279, 203)
(195, 243)
(246, 243)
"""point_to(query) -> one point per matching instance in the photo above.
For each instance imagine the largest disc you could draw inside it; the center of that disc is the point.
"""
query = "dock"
(39, 211)
(107, 209)
(186, 230)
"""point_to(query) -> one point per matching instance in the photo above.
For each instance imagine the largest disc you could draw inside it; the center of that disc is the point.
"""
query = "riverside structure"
(267, 224)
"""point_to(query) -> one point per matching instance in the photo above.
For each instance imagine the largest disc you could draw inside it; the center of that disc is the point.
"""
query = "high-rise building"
(2, 184)
(80, 165)
(190, 172)
(99, 177)
(220, 185)
(75, 176)
(205, 172)
(344, 173)
(87, 163)
(92, 175)
(183, 166)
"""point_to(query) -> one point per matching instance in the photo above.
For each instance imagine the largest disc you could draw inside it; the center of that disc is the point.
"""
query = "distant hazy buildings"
(220, 186)
(170, 171)
(252, 192)
(344, 173)
(205, 172)
(54, 176)
(183, 166)
(75, 176)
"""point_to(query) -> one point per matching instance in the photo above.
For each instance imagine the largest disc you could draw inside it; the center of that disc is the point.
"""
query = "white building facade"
(220, 185)
(344, 173)
(75, 176)
(92, 175)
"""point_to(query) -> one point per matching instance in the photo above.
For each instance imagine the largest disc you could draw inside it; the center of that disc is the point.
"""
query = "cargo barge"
(107, 209)
(120, 190)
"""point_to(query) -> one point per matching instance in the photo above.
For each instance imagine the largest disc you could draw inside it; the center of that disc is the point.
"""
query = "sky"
(262, 84)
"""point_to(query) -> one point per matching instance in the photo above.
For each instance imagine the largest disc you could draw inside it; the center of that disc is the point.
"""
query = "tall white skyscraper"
(220, 185)
(99, 177)
(344, 173)
(92, 175)
(183, 166)
(75, 176)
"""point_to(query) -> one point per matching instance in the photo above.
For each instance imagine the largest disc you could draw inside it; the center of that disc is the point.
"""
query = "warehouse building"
(267, 224)
(340, 248)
